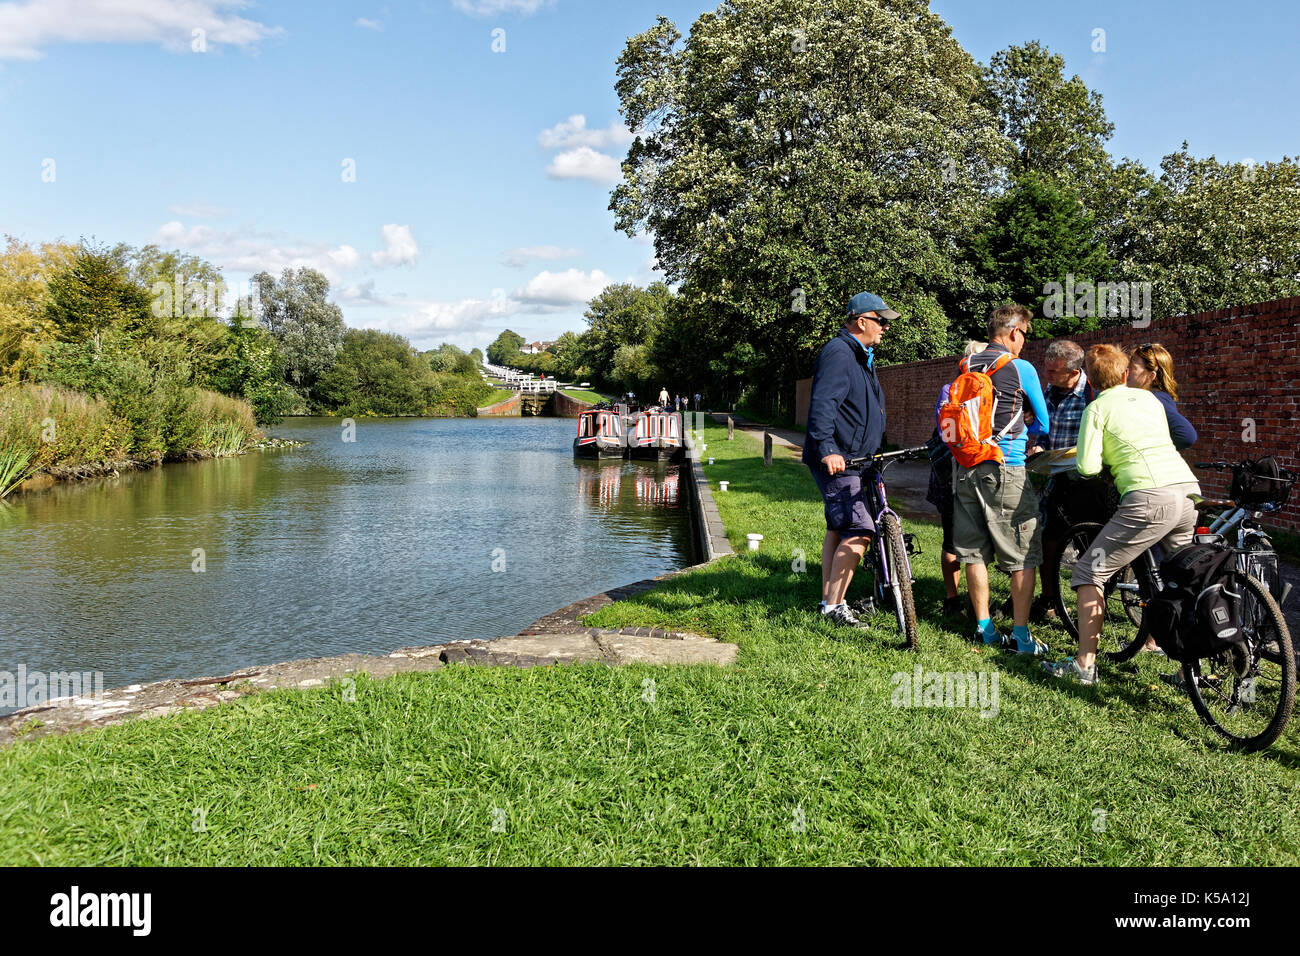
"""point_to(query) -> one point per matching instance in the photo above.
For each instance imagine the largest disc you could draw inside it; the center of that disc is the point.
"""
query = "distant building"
(533, 348)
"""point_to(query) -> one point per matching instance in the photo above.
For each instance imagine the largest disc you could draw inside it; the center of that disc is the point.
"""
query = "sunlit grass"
(794, 755)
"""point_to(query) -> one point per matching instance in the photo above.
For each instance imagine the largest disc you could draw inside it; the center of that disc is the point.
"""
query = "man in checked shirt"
(1070, 499)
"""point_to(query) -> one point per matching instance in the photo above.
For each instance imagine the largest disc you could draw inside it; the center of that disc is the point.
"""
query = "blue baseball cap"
(870, 302)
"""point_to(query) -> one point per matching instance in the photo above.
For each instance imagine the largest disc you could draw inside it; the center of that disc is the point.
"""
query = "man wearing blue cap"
(846, 419)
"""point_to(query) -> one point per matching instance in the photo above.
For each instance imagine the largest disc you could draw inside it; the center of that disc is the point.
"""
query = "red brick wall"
(504, 408)
(564, 406)
(1231, 364)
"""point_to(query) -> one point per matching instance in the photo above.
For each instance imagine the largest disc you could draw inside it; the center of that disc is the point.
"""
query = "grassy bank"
(48, 428)
(586, 395)
(794, 755)
(496, 395)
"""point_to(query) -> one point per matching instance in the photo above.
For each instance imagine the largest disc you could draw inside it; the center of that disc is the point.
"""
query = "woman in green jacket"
(1125, 429)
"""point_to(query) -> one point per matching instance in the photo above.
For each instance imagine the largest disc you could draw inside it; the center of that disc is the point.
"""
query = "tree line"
(143, 353)
(793, 152)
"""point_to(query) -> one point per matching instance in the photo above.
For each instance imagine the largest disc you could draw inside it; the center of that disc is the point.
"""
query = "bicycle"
(1245, 693)
(890, 565)
(1252, 496)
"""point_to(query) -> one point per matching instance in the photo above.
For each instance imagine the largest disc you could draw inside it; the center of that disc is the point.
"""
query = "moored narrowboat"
(656, 434)
(600, 434)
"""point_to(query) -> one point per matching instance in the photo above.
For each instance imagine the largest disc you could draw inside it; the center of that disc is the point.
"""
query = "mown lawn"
(586, 395)
(795, 755)
(498, 395)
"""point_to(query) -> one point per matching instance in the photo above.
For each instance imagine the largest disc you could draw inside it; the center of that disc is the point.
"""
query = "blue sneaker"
(992, 637)
(1032, 647)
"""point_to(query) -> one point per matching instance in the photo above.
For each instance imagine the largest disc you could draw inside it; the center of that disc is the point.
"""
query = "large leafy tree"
(94, 294)
(621, 315)
(308, 328)
(1219, 234)
(504, 350)
(1035, 234)
(377, 373)
(25, 323)
(1058, 125)
(794, 152)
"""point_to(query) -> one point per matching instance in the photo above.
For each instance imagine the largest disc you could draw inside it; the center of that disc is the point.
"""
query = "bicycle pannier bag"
(1198, 614)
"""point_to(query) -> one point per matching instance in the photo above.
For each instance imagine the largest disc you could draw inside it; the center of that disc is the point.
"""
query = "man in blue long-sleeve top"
(995, 509)
(846, 419)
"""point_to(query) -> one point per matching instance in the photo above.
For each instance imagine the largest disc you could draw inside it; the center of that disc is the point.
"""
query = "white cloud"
(345, 257)
(486, 8)
(368, 24)
(573, 132)
(400, 247)
(244, 250)
(26, 28)
(585, 163)
(522, 255)
(199, 210)
(550, 290)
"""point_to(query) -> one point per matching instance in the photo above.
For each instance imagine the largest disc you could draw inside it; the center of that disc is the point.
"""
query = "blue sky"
(481, 178)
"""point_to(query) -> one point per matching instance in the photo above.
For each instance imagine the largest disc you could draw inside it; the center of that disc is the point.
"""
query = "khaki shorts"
(1162, 516)
(995, 513)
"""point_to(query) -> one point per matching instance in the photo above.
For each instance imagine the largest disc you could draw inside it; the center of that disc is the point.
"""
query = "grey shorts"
(995, 514)
(1162, 516)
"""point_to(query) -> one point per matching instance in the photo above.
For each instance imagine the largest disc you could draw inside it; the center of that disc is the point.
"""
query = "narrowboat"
(600, 434)
(655, 434)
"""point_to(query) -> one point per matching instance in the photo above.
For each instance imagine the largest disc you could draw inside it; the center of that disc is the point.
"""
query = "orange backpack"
(966, 417)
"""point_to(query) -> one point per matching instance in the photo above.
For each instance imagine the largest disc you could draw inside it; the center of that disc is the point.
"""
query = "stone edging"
(627, 645)
(710, 534)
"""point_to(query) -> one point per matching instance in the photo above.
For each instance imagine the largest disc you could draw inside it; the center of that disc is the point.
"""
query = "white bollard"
(710, 461)
(753, 540)
(722, 485)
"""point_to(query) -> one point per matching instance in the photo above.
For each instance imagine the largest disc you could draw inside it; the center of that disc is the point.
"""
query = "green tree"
(308, 328)
(253, 369)
(25, 322)
(376, 373)
(93, 294)
(1058, 126)
(505, 348)
(620, 315)
(1219, 234)
(1035, 234)
(794, 152)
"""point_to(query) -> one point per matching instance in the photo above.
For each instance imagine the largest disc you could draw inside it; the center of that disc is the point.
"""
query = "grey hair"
(1063, 350)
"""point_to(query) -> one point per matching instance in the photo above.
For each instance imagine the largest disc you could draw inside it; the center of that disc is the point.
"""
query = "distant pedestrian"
(697, 401)
(663, 398)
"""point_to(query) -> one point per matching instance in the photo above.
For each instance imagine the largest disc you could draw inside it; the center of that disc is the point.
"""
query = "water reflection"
(333, 547)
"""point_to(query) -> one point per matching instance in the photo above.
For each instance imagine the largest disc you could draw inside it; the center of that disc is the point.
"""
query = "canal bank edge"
(556, 638)
(710, 535)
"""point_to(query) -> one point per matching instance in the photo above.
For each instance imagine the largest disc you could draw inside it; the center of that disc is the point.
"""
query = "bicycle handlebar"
(887, 456)
(1216, 465)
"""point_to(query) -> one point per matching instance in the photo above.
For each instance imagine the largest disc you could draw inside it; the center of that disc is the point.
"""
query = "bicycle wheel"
(1120, 638)
(891, 537)
(1244, 695)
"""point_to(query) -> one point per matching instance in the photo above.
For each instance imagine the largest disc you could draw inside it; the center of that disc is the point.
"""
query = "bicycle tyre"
(1115, 643)
(1272, 619)
(891, 534)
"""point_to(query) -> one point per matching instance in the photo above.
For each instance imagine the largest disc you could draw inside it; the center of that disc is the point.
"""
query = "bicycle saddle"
(1211, 504)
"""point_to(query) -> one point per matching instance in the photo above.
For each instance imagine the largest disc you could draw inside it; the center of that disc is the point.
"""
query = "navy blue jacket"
(846, 414)
(1180, 429)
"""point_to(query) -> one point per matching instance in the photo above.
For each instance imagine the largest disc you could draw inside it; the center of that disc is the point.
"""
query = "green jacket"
(1126, 429)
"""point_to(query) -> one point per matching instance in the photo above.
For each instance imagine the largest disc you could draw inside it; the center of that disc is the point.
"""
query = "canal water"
(418, 532)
